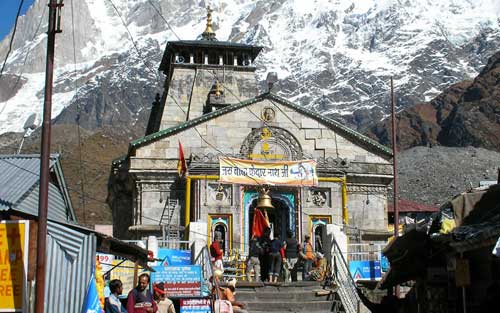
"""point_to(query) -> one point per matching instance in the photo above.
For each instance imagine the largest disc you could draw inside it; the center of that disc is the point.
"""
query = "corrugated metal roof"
(70, 262)
(18, 173)
(57, 209)
(411, 206)
(19, 186)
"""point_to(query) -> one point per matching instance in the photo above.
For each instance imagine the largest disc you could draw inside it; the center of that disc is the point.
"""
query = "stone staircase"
(299, 296)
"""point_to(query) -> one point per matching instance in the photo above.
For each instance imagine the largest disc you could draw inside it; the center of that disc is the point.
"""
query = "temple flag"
(260, 222)
(181, 165)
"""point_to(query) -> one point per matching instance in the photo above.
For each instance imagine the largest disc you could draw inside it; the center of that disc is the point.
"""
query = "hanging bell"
(264, 201)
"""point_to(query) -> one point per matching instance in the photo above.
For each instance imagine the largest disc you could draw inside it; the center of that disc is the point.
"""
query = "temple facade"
(212, 106)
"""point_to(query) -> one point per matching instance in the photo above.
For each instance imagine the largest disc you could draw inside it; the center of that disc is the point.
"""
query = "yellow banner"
(124, 272)
(13, 264)
(249, 172)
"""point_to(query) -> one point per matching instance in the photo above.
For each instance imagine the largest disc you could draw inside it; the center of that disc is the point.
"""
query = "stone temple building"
(212, 105)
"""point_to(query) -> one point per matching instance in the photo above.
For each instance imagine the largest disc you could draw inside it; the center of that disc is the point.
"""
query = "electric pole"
(54, 27)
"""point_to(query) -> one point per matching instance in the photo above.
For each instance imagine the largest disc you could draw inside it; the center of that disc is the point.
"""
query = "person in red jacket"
(140, 299)
(216, 251)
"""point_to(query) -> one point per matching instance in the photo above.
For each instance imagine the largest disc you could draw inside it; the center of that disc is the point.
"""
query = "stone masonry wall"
(239, 85)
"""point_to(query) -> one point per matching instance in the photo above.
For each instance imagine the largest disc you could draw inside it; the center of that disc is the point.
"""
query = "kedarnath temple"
(237, 140)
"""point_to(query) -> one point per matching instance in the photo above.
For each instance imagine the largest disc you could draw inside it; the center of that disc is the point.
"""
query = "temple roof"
(355, 136)
(173, 46)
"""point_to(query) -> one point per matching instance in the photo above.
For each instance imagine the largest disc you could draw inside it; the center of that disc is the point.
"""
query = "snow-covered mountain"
(335, 56)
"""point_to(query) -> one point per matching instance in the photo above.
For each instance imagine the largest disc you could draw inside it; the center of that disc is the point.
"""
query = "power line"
(12, 37)
(175, 101)
(33, 47)
(166, 22)
(81, 169)
(134, 44)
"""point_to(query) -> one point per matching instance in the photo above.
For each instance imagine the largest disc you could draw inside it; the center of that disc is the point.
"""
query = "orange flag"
(181, 165)
(260, 222)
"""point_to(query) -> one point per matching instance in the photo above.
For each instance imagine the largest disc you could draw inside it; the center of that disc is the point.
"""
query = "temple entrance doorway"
(278, 217)
(282, 218)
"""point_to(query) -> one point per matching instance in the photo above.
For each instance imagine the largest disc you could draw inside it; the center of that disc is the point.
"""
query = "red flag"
(260, 222)
(181, 165)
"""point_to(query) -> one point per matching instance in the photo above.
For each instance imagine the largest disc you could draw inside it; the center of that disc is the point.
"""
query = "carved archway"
(271, 143)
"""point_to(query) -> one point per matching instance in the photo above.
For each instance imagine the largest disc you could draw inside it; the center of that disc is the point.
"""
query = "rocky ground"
(434, 175)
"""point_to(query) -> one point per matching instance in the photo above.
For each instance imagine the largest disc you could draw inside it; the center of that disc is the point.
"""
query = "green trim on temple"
(334, 125)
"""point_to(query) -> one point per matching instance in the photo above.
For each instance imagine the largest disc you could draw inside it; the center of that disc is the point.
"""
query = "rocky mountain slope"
(88, 177)
(335, 56)
(465, 114)
(435, 175)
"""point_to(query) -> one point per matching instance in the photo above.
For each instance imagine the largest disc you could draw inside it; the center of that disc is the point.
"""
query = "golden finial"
(218, 89)
(209, 33)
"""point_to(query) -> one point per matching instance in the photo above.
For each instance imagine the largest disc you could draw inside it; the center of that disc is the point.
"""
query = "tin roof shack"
(71, 249)
(451, 265)
(411, 214)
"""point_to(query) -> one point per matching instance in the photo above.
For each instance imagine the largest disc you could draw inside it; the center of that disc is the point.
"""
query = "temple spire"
(209, 33)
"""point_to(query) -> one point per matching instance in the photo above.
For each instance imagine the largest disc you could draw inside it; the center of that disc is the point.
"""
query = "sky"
(8, 11)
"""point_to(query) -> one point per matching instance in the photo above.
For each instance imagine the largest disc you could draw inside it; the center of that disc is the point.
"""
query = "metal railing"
(203, 259)
(171, 244)
(364, 251)
(347, 287)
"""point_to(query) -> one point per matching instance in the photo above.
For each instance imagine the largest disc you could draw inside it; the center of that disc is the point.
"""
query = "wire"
(29, 51)
(12, 37)
(81, 169)
(175, 101)
(166, 22)
(134, 44)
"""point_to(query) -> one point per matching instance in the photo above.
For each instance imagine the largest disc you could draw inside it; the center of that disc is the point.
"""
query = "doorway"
(221, 223)
(279, 218)
(319, 232)
(284, 216)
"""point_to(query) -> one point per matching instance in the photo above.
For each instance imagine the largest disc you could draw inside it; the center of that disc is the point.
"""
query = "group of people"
(140, 299)
(269, 257)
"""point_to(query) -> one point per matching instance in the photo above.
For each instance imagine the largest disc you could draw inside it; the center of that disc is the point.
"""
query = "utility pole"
(395, 172)
(54, 27)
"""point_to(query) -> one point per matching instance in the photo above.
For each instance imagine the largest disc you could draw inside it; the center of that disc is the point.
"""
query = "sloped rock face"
(435, 175)
(476, 120)
(466, 114)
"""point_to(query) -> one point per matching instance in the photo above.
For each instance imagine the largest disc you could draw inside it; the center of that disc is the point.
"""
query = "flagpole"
(395, 171)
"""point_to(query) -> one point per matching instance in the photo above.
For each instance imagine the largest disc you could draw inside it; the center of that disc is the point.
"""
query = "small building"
(212, 105)
(455, 268)
(411, 214)
(71, 249)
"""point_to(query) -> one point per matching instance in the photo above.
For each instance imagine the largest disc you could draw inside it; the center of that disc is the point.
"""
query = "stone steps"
(303, 295)
(299, 306)
(278, 298)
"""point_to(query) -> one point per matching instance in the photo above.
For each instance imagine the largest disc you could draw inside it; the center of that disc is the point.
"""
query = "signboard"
(13, 264)
(124, 272)
(201, 305)
(179, 281)
(365, 270)
(172, 257)
(106, 261)
(249, 172)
